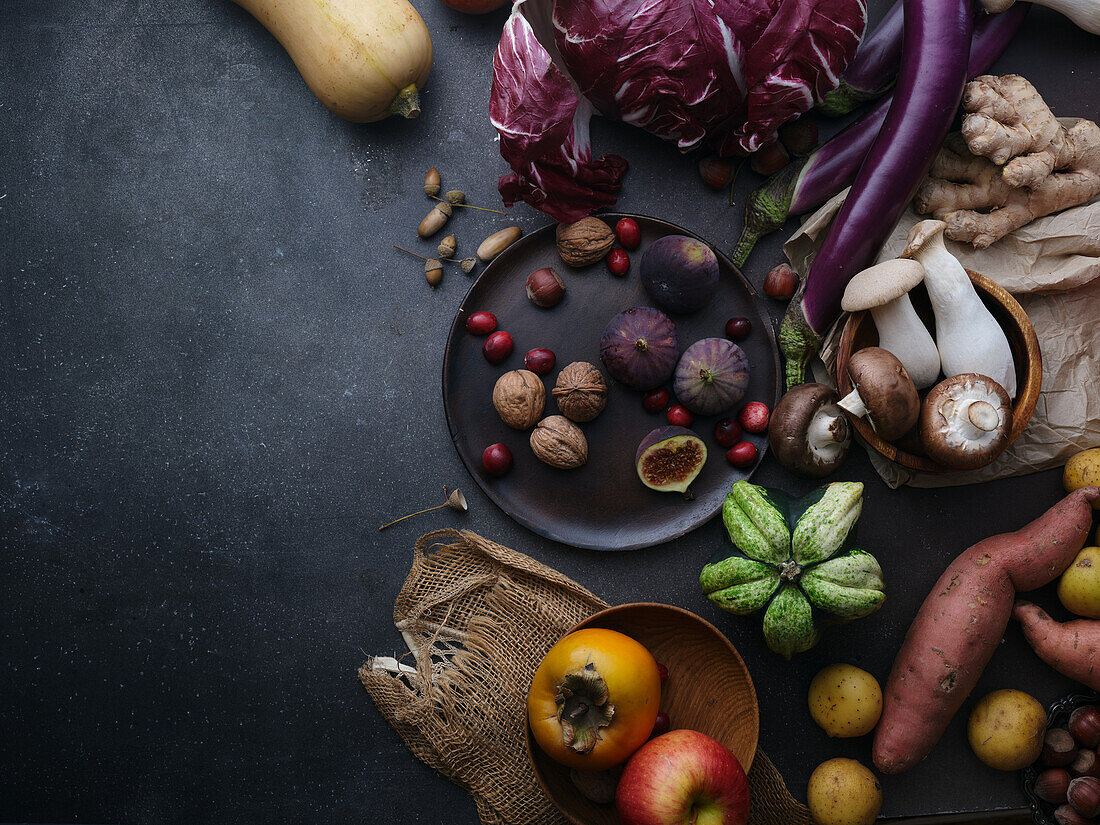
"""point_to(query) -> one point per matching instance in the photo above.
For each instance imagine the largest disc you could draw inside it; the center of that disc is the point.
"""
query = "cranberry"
(618, 262)
(655, 400)
(481, 323)
(662, 671)
(497, 459)
(780, 282)
(497, 347)
(754, 417)
(540, 360)
(738, 329)
(661, 724)
(680, 416)
(727, 432)
(628, 233)
(741, 455)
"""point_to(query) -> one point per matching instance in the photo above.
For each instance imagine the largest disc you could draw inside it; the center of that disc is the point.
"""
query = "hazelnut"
(1066, 815)
(559, 442)
(1084, 795)
(1086, 763)
(1051, 785)
(716, 172)
(1084, 724)
(585, 241)
(519, 398)
(1059, 748)
(545, 288)
(580, 391)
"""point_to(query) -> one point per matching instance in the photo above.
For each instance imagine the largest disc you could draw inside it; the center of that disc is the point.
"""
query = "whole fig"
(712, 376)
(639, 348)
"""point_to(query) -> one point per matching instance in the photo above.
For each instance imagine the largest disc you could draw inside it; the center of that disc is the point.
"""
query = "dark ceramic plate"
(602, 505)
(1057, 717)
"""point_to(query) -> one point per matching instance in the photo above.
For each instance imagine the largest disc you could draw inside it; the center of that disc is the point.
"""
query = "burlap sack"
(478, 618)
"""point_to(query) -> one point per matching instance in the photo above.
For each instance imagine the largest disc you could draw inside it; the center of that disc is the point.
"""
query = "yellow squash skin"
(364, 59)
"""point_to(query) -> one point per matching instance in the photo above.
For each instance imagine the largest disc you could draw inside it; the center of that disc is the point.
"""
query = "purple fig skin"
(712, 376)
(654, 442)
(639, 348)
(679, 273)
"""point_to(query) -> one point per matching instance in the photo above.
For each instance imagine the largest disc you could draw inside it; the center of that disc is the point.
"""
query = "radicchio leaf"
(544, 134)
(726, 73)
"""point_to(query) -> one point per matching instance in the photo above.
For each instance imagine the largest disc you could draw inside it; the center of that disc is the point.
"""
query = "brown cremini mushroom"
(808, 431)
(965, 421)
(883, 392)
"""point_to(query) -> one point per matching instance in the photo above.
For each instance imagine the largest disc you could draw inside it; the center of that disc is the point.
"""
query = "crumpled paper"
(1052, 267)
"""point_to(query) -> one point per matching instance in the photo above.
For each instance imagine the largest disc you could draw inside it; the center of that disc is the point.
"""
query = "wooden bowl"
(859, 332)
(708, 689)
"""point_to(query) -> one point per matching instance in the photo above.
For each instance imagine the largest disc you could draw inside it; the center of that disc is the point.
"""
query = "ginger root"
(1014, 162)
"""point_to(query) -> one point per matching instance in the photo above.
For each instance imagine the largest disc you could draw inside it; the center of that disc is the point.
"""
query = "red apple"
(680, 778)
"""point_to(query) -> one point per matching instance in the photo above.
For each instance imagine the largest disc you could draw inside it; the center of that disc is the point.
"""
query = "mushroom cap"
(921, 235)
(808, 432)
(965, 421)
(886, 390)
(882, 283)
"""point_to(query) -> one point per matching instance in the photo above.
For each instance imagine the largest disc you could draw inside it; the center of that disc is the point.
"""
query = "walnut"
(585, 241)
(519, 398)
(580, 391)
(559, 442)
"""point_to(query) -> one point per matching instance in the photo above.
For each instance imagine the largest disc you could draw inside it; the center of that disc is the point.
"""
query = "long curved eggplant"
(934, 56)
(805, 184)
(871, 72)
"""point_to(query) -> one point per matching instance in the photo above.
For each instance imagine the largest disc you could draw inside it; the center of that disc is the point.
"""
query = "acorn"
(434, 220)
(431, 182)
(447, 246)
(433, 272)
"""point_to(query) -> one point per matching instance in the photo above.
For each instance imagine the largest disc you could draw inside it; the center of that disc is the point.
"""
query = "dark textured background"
(218, 379)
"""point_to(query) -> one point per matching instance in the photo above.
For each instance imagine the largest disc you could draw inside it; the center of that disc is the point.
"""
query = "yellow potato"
(1083, 470)
(843, 792)
(1006, 729)
(1079, 587)
(845, 701)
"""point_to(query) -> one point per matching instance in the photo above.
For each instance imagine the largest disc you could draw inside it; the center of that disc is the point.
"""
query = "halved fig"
(670, 458)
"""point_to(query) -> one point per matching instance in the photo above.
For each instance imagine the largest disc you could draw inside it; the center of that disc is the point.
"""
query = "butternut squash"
(364, 59)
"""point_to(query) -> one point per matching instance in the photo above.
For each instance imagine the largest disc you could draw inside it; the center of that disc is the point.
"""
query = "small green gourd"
(798, 559)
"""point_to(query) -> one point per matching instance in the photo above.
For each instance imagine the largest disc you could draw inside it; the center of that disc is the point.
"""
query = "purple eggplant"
(934, 57)
(805, 184)
(872, 71)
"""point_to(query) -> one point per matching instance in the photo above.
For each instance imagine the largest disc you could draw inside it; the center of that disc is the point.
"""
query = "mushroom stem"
(828, 431)
(902, 333)
(853, 403)
(974, 418)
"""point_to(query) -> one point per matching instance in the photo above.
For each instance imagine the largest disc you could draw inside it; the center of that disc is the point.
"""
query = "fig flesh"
(679, 273)
(712, 376)
(639, 348)
(670, 458)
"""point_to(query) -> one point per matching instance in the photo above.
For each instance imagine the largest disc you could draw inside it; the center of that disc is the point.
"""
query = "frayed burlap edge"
(478, 618)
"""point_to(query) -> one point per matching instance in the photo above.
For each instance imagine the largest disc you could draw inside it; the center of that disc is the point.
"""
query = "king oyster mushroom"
(884, 290)
(964, 421)
(808, 431)
(967, 335)
(883, 392)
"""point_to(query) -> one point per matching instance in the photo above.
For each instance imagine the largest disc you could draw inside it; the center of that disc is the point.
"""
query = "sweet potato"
(1073, 648)
(961, 623)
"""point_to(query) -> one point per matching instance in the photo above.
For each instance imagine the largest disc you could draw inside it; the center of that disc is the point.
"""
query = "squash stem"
(407, 103)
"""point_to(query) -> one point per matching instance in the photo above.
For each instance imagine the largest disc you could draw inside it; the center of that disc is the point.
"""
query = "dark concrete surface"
(218, 379)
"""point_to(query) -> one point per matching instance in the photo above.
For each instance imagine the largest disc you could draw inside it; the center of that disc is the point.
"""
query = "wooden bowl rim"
(684, 613)
(1022, 410)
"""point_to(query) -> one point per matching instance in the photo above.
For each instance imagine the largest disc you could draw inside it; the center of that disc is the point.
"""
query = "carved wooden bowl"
(708, 689)
(859, 332)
